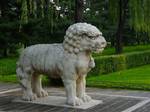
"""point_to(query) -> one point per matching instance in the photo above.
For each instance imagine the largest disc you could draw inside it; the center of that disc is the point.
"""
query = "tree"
(3, 7)
(8, 26)
(24, 12)
(138, 13)
(122, 17)
(79, 10)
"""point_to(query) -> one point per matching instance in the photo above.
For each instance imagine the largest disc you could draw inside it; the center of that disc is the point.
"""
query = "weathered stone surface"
(113, 101)
(110, 104)
(144, 108)
(70, 60)
(7, 86)
(59, 101)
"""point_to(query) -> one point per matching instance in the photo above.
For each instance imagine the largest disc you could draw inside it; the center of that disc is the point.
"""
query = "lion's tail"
(19, 71)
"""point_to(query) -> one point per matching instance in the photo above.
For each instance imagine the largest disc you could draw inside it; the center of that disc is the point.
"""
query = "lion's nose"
(103, 44)
(100, 43)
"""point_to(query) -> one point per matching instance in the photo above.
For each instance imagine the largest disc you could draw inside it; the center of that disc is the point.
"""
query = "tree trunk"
(121, 22)
(79, 10)
(46, 6)
(5, 54)
(3, 8)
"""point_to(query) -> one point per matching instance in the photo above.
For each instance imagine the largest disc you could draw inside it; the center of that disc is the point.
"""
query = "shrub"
(7, 66)
(137, 59)
(113, 63)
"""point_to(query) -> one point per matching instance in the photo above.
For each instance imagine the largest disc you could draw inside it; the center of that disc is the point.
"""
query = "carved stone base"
(60, 102)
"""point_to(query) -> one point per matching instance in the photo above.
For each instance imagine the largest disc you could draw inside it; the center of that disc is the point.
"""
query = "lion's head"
(83, 37)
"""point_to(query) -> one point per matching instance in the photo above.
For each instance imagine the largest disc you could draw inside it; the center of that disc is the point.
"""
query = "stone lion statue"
(70, 60)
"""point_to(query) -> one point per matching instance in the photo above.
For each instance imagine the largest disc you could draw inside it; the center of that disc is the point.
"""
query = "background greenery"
(124, 23)
(28, 22)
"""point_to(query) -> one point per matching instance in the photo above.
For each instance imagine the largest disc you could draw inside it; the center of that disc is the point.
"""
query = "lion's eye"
(92, 37)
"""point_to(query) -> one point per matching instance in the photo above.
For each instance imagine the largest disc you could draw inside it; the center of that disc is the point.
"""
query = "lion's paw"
(86, 98)
(76, 102)
(29, 97)
(42, 93)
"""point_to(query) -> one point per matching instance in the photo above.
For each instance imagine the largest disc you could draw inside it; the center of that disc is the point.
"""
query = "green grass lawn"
(13, 79)
(7, 66)
(137, 78)
(127, 49)
(8, 78)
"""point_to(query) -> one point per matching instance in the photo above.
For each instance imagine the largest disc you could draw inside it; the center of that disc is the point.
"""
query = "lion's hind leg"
(37, 86)
(25, 82)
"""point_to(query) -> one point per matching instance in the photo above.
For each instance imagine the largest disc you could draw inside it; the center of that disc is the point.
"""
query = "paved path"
(113, 100)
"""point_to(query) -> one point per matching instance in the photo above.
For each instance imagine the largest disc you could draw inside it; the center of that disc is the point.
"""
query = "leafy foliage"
(27, 22)
(140, 16)
(113, 63)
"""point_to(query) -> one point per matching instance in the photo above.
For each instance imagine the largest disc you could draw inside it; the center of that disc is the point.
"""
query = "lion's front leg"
(81, 88)
(70, 87)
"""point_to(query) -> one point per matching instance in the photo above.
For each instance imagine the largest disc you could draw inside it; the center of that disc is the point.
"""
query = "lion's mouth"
(98, 50)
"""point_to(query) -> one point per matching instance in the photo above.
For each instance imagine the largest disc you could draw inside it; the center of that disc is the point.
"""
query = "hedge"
(113, 63)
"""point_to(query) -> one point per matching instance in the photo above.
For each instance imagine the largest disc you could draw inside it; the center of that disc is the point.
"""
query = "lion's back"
(41, 56)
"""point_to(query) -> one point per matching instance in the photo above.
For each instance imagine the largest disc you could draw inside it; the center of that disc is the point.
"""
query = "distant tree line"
(27, 22)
